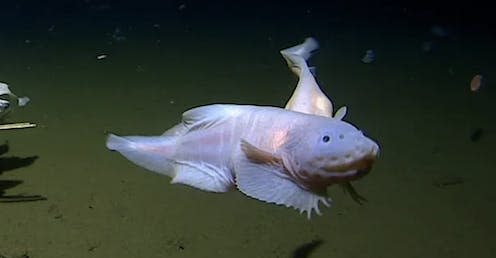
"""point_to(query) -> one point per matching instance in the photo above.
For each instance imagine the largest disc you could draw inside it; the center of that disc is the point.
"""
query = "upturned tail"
(297, 56)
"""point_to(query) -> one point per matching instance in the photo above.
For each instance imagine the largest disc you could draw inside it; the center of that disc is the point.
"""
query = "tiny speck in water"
(476, 134)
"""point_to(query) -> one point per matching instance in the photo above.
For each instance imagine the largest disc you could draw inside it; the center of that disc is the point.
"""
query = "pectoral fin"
(257, 155)
(261, 175)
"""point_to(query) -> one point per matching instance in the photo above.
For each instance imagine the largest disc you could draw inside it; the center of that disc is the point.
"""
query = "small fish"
(268, 153)
(101, 57)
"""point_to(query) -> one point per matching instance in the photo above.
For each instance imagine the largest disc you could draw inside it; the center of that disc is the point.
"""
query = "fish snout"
(365, 148)
(358, 152)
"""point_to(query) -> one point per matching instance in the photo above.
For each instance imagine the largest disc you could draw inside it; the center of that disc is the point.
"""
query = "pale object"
(8, 100)
(307, 97)
(268, 153)
(23, 101)
(369, 56)
(476, 82)
(21, 125)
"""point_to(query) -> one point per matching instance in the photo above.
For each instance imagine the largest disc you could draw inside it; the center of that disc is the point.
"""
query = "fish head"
(302, 160)
(330, 151)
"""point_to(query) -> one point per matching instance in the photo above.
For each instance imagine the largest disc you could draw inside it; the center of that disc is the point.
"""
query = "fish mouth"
(331, 175)
(357, 167)
(349, 175)
(319, 181)
(361, 172)
(338, 173)
(362, 165)
(350, 171)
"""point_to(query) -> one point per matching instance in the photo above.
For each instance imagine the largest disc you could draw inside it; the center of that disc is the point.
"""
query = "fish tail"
(304, 50)
(150, 152)
(297, 56)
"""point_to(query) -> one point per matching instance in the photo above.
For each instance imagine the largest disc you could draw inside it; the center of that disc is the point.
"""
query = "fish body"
(269, 153)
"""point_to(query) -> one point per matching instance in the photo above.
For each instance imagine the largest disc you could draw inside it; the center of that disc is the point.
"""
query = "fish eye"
(326, 138)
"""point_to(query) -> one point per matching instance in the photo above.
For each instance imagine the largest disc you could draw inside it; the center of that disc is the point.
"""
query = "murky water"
(430, 195)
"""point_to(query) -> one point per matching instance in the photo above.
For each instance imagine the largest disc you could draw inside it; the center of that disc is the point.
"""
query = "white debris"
(369, 56)
(117, 35)
(23, 101)
(100, 57)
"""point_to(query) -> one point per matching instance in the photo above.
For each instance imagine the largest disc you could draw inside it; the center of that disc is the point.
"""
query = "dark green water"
(431, 194)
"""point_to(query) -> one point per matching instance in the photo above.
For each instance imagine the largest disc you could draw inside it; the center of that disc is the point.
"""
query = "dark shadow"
(4, 148)
(6, 184)
(305, 250)
(10, 163)
(477, 134)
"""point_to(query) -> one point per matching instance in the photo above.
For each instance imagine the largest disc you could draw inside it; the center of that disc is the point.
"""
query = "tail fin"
(305, 49)
(297, 56)
(150, 152)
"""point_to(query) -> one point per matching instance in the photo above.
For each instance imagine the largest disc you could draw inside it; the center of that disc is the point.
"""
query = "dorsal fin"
(209, 116)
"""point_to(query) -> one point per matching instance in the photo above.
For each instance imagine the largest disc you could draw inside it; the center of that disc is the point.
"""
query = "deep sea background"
(431, 193)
